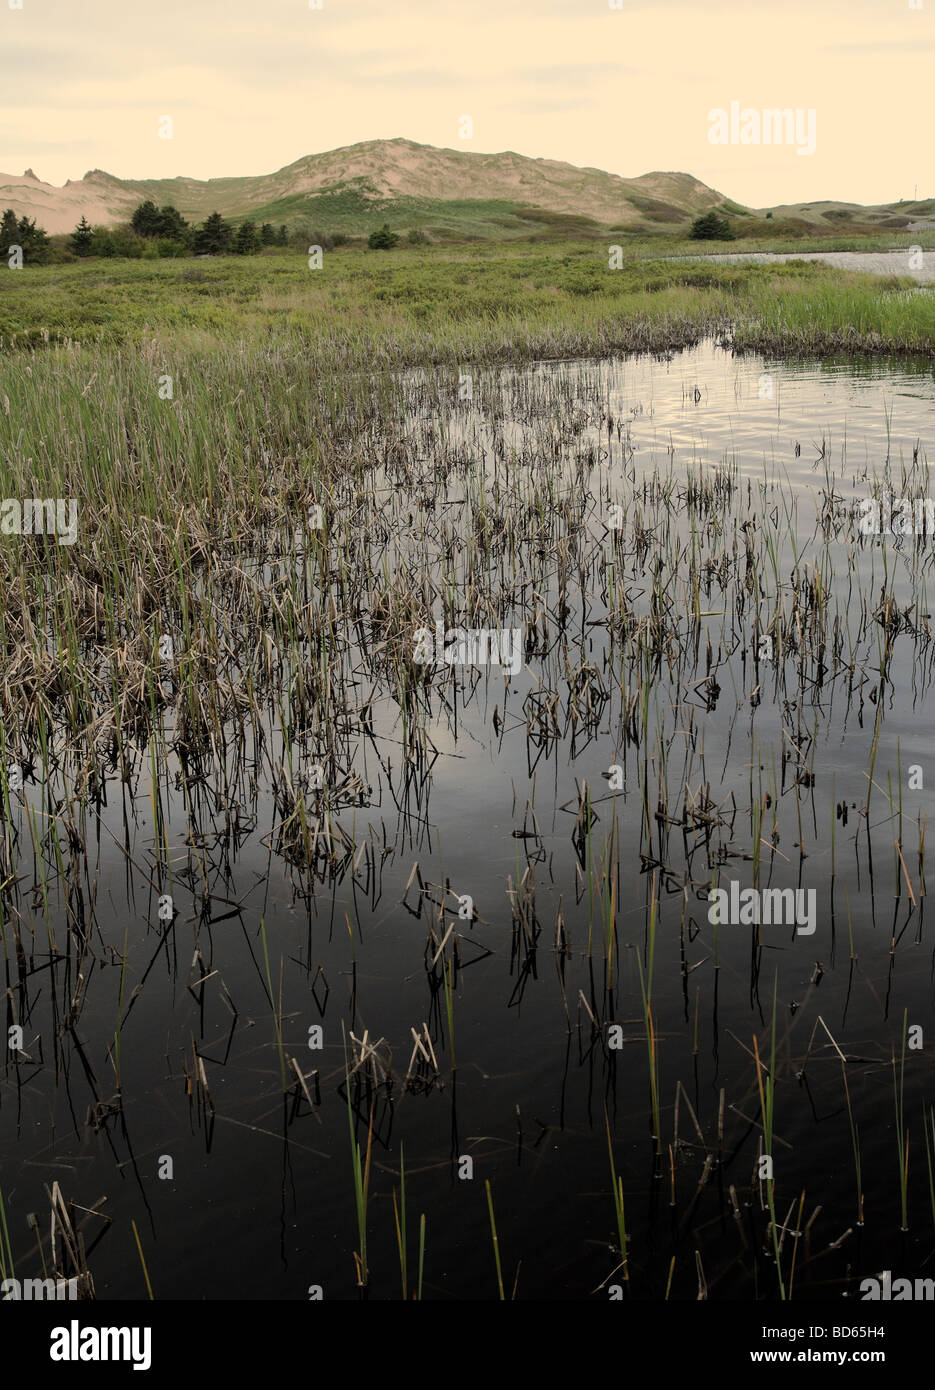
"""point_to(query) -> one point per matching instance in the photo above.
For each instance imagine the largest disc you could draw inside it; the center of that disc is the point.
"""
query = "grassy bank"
(417, 305)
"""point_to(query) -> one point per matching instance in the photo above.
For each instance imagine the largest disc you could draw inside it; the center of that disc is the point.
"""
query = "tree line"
(151, 231)
(173, 236)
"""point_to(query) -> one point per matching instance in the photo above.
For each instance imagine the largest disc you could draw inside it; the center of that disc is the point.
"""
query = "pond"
(460, 911)
(920, 265)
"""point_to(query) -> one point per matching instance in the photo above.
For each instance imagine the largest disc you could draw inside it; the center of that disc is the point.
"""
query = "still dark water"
(729, 766)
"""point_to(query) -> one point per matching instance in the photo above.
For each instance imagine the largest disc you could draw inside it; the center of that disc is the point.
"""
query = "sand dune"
(381, 169)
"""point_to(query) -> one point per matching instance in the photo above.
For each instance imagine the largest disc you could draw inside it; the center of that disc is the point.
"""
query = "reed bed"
(223, 667)
(362, 312)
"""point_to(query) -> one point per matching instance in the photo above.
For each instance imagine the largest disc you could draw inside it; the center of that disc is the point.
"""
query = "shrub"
(382, 240)
(118, 241)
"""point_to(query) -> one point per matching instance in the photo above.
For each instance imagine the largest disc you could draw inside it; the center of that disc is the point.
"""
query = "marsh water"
(481, 876)
(919, 267)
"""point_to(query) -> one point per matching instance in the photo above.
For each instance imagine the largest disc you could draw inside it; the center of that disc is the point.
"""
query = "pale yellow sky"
(253, 84)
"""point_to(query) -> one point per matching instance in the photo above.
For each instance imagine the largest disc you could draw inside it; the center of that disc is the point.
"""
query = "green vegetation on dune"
(355, 212)
(654, 209)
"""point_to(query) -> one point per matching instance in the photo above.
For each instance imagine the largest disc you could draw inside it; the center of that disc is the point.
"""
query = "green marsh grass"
(616, 1183)
(646, 994)
(495, 1240)
(361, 310)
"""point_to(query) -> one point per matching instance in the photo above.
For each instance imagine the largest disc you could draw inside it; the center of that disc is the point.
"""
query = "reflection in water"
(307, 878)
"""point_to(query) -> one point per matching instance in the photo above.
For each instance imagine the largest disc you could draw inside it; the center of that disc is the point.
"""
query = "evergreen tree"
(9, 231)
(214, 236)
(383, 240)
(82, 238)
(282, 236)
(710, 227)
(267, 235)
(167, 222)
(33, 240)
(248, 242)
(172, 224)
(146, 220)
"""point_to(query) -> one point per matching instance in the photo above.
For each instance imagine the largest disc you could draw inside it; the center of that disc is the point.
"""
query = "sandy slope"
(59, 209)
